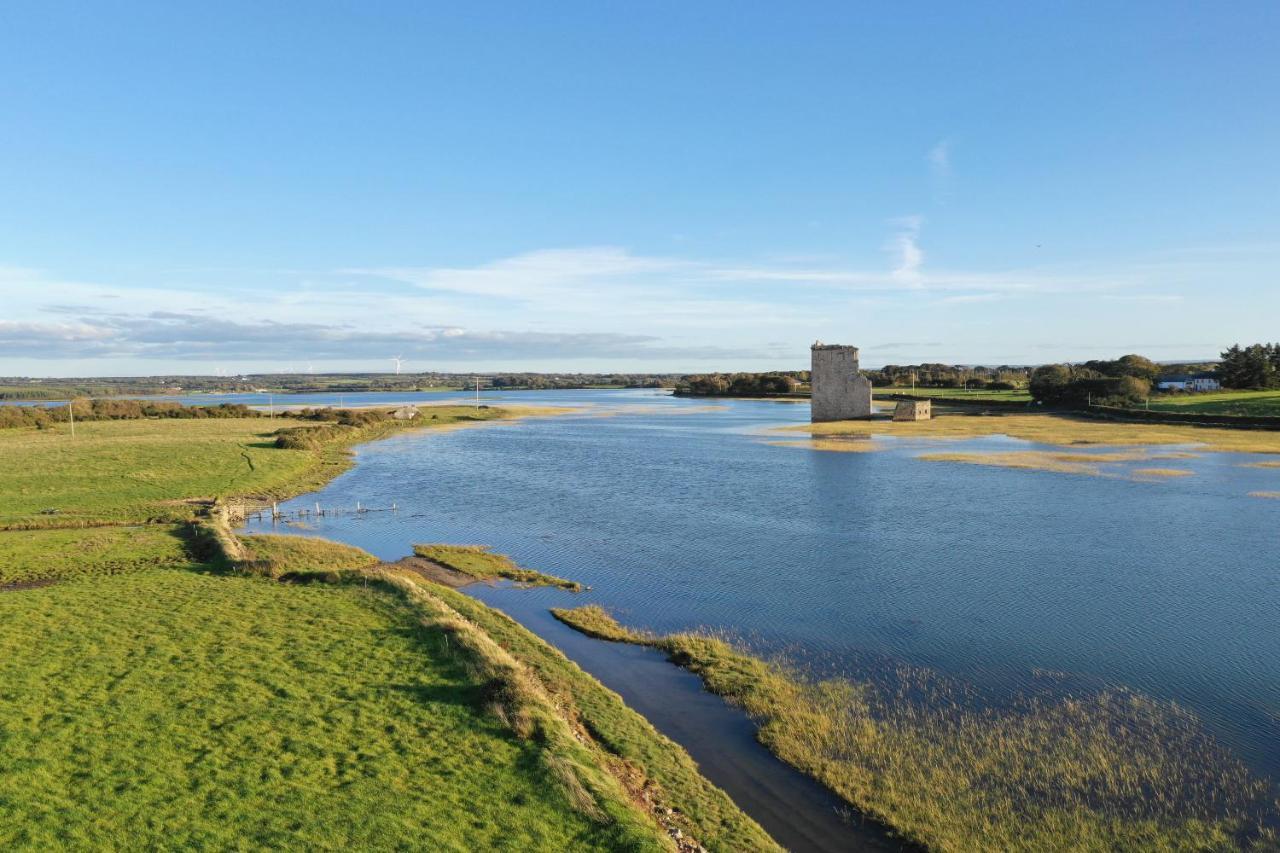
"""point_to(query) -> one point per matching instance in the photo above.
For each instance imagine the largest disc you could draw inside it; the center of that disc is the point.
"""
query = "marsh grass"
(1272, 495)
(1161, 472)
(1060, 430)
(479, 562)
(1030, 460)
(1107, 770)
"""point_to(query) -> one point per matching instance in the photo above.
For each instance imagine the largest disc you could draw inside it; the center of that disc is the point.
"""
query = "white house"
(1199, 382)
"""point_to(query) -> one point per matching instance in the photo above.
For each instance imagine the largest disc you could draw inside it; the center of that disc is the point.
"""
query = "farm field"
(1264, 403)
(1018, 396)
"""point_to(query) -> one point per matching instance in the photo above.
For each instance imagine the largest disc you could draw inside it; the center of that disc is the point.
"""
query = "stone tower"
(840, 392)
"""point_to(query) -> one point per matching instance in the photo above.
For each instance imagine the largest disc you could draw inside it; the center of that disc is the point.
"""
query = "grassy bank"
(479, 562)
(1108, 771)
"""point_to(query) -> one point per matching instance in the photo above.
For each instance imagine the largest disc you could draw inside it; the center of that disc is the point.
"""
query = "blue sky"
(645, 186)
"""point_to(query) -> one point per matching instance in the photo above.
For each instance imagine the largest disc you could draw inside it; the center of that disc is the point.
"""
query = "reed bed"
(1109, 770)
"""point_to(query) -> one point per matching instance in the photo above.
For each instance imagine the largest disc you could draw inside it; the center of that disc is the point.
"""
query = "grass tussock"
(479, 562)
(594, 621)
(1265, 464)
(1271, 495)
(1107, 771)
(1061, 430)
(1161, 472)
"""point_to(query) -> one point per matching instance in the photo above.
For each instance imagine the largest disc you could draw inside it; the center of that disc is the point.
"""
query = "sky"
(653, 186)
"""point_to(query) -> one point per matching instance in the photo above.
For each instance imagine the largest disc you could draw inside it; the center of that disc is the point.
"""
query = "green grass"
(478, 562)
(1106, 771)
(977, 394)
(299, 557)
(124, 471)
(1264, 403)
(115, 472)
(36, 555)
(168, 709)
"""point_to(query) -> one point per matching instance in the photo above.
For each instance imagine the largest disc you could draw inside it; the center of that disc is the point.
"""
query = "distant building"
(1197, 382)
(405, 413)
(839, 391)
(913, 410)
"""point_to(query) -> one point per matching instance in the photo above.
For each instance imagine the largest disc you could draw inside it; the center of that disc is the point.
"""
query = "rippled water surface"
(681, 514)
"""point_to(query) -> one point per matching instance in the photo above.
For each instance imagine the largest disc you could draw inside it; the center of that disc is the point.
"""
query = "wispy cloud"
(1142, 297)
(939, 158)
(905, 246)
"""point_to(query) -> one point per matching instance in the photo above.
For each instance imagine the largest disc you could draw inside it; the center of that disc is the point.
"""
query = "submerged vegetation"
(479, 562)
(1112, 770)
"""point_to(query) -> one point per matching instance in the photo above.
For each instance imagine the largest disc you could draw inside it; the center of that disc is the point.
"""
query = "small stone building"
(405, 413)
(913, 410)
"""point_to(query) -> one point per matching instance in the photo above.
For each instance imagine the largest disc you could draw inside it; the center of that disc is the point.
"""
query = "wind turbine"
(399, 360)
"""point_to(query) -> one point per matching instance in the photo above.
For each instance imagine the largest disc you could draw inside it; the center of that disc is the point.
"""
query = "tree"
(1254, 366)
(1050, 382)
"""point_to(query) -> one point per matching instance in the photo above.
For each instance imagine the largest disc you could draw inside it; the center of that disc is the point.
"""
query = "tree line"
(43, 417)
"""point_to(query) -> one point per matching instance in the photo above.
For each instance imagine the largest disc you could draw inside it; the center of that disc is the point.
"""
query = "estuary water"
(684, 513)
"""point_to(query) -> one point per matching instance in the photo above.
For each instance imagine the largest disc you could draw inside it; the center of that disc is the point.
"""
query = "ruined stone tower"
(840, 392)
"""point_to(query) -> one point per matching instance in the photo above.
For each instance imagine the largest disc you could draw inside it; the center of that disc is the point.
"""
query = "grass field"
(35, 555)
(1266, 403)
(166, 709)
(977, 394)
(1100, 772)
